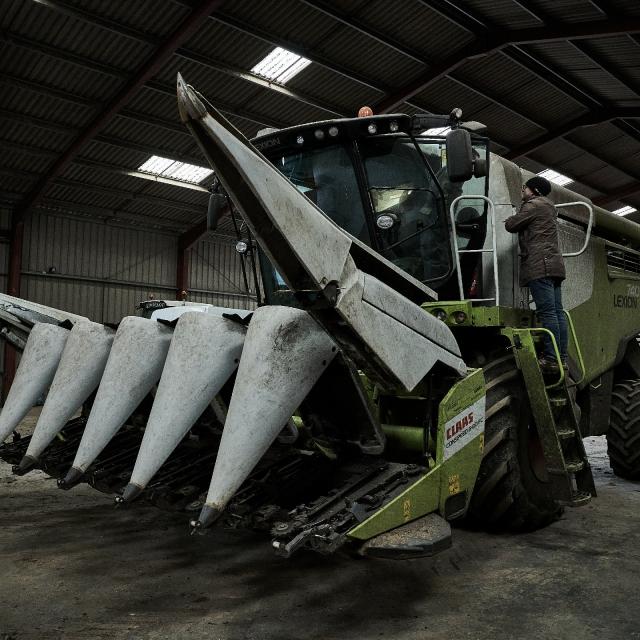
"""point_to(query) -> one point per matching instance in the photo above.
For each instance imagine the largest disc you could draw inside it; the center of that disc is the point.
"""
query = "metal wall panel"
(215, 275)
(97, 270)
(102, 271)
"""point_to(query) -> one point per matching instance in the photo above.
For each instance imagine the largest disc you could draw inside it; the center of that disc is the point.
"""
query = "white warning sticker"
(463, 428)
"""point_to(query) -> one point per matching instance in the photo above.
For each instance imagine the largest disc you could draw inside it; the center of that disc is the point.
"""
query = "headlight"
(372, 128)
(386, 220)
(333, 131)
(393, 126)
(459, 317)
(300, 140)
(241, 247)
(319, 134)
(441, 314)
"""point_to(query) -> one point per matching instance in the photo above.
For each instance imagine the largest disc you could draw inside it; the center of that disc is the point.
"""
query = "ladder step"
(558, 402)
(574, 467)
(570, 467)
(578, 499)
(565, 434)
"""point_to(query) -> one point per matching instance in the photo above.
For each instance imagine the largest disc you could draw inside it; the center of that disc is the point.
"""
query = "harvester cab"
(388, 385)
(389, 182)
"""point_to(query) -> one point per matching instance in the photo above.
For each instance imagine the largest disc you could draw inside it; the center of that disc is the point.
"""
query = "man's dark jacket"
(537, 227)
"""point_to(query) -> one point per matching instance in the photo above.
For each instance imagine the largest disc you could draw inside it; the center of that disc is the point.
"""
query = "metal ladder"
(558, 422)
(493, 250)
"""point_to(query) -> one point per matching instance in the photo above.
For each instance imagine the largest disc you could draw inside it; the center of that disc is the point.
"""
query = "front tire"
(512, 491)
(623, 435)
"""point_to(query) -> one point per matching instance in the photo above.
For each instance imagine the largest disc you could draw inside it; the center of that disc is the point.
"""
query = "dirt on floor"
(74, 567)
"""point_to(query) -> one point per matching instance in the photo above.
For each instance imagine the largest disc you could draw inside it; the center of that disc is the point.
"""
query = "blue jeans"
(547, 295)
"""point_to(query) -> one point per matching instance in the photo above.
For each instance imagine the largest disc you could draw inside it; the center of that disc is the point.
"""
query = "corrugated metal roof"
(368, 58)
(417, 26)
(47, 26)
(54, 62)
(226, 44)
(504, 13)
(282, 18)
(141, 14)
(41, 68)
(569, 11)
(504, 78)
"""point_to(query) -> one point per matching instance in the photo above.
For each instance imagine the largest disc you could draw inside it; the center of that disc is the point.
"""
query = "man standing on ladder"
(541, 265)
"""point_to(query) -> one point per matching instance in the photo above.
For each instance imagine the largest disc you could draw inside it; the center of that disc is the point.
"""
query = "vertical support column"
(13, 289)
(185, 242)
(182, 272)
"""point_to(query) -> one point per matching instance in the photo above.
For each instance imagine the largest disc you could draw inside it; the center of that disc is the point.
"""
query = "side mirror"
(217, 203)
(459, 155)
(479, 167)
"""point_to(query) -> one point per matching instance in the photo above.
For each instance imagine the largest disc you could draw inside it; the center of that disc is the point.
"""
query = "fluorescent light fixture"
(280, 65)
(437, 131)
(555, 177)
(181, 171)
(624, 211)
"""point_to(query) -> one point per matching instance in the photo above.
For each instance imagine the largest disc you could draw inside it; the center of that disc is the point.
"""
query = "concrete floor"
(73, 567)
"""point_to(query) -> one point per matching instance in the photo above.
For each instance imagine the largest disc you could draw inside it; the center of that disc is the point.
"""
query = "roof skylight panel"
(280, 65)
(169, 168)
(624, 211)
(156, 164)
(555, 177)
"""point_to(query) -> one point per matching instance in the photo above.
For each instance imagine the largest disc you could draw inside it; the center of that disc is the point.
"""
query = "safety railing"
(576, 346)
(589, 208)
(492, 217)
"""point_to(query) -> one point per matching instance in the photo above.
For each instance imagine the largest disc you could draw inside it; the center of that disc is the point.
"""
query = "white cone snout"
(285, 353)
(81, 366)
(134, 366)
(205, 351)
(38, 365)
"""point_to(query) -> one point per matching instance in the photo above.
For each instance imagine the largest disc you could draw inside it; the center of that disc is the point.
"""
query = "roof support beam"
(486, 44)
(192, 56)
(632, 129)
(463, 17)
(623, 192)
(552, 76)
(585, 120)
(154, 64)
(131, 114)
(339, 16)
(115, 142)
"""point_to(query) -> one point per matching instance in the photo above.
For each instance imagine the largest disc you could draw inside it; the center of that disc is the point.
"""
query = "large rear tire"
(623, 435)
(512, 491)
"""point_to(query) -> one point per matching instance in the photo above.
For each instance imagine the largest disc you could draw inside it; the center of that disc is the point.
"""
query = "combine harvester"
(390, 382)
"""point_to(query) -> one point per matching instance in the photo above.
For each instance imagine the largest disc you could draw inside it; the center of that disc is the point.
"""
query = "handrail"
(493, 250)
(576, 344)
(573, 254)
(557, 354)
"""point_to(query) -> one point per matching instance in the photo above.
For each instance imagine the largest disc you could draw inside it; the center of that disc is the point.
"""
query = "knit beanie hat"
(539, 185)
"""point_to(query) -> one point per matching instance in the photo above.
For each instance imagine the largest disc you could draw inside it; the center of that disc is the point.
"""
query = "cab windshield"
(327, 177)
(406, 196)
(392, 193)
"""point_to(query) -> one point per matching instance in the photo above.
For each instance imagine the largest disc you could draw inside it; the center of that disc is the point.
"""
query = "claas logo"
(460, 425)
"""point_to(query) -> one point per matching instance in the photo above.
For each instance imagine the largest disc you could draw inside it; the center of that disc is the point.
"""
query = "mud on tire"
(623, 435)
(512, 492)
